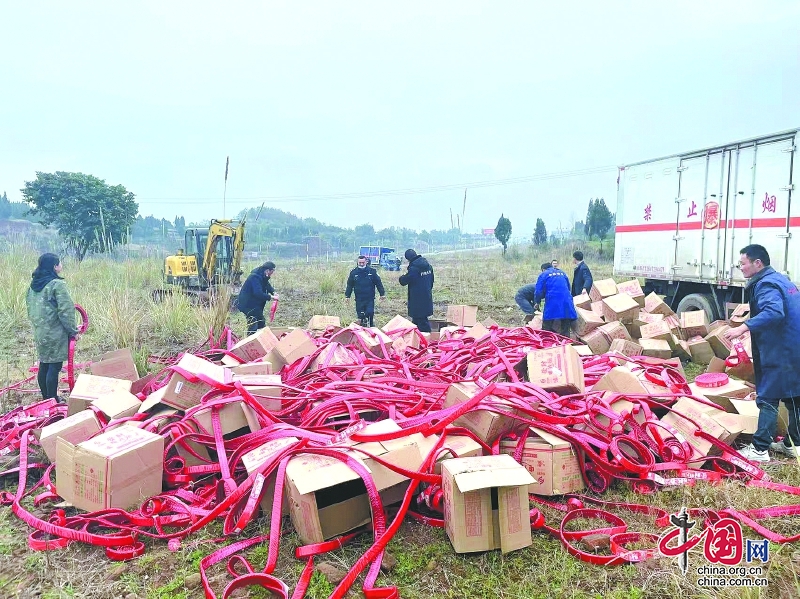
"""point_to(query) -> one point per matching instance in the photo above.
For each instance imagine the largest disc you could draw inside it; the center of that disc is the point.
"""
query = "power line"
(394, 192)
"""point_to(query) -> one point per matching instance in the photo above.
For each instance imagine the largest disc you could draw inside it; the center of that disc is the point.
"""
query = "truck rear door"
(760, 205)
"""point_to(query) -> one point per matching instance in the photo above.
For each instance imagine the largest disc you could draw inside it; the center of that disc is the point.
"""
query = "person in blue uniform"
(363, 281)
(419, 279)
(774, 327)
(559, 313)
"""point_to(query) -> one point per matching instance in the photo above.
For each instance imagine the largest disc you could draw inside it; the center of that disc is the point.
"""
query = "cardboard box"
(181, 393)
(694, 323)
(319, 322)
(632, 289)
(735, 388)
(700, 349)
(746, 409)
(657, 330)
(717, 324)
(556, 369)
(293, 346)
(484, 424)
(622, 380)
(596, 342)
(117, 469)
(655, 305)
(256, 345)
(454, 446)
(622, 308)
(615, 330)
(462, 316)
(117, 404)
(117, 364)
(655, 348)
(551, 461)
(398, 323)
(89, 387)
(251, 369)
(719, 345)
(626, 348)
(332, 354)
(477, 332)
(583, 350)
(252, 460)
(716, 423)
(583, 301)
(587, 321)
(681, 349)
(235, 419)
(489, 323)
(536, 322)
(597, 308)
(740, 314)
(365, 338)
(267, 391)
(75, 429)
(602, 289)
(328, 499)
(472, 487)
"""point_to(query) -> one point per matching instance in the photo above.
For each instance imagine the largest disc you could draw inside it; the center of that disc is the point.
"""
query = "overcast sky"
(319, 104)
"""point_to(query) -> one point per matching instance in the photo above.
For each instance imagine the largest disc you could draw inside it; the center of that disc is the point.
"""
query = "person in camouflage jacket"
(52, 313)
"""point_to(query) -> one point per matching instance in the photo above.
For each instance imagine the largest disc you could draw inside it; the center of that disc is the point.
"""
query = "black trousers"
(366, 312)
(422, 323)
(47, 378)
(560, 326)
(255, 320)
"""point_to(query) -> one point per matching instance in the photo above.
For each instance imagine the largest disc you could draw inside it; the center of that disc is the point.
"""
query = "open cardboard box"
(552, 462)
(462, 316)
(486, 503)
(89, 387)
(252, 460)
(328, 499)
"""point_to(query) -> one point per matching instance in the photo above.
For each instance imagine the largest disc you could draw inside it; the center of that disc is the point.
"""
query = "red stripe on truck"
(739, 223)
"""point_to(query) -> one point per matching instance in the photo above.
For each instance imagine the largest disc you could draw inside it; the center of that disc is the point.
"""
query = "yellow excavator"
(211, 258)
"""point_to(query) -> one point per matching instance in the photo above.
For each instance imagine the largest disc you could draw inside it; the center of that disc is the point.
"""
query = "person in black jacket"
(582, 278)
(255, 293)
(364, 280)
(419, 279)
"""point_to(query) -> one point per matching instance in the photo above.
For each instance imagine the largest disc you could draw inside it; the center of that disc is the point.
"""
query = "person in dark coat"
(774, 326)
(582, 278)
(254, 295)
(552, 286)
(52, 314)
(526, 299)
(364, 280)
(419, 279)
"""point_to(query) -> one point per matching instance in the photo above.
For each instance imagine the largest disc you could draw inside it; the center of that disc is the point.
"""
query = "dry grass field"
(116, 295)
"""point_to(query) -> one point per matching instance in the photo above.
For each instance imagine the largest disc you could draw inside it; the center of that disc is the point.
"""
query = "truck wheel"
(700, 301)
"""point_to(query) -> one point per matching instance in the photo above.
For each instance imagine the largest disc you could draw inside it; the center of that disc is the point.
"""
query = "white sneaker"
(749, 452)
(784, 449)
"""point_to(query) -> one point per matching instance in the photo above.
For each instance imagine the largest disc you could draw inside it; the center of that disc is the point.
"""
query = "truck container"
(681, 220)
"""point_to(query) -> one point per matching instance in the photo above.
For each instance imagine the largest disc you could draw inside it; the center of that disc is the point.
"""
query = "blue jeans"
(524, 298)
(768, 421)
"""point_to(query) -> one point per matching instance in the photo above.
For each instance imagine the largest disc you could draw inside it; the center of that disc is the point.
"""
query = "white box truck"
(681, 220)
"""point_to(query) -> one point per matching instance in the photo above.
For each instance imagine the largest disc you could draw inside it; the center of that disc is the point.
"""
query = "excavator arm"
(222, 229)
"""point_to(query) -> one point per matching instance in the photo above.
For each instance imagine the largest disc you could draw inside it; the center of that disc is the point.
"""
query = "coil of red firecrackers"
(325, 403)
(273, 309)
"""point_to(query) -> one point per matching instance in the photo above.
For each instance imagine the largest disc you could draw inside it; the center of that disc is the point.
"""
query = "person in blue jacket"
(582, 277)
(552, 286)
(419, 279)
(364, 280)
(774, 326)
(254, 295)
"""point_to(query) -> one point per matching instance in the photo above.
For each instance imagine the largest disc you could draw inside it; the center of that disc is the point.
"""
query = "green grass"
(117, 296)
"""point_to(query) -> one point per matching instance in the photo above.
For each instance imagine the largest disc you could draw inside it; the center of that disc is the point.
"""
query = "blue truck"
(383, 257)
